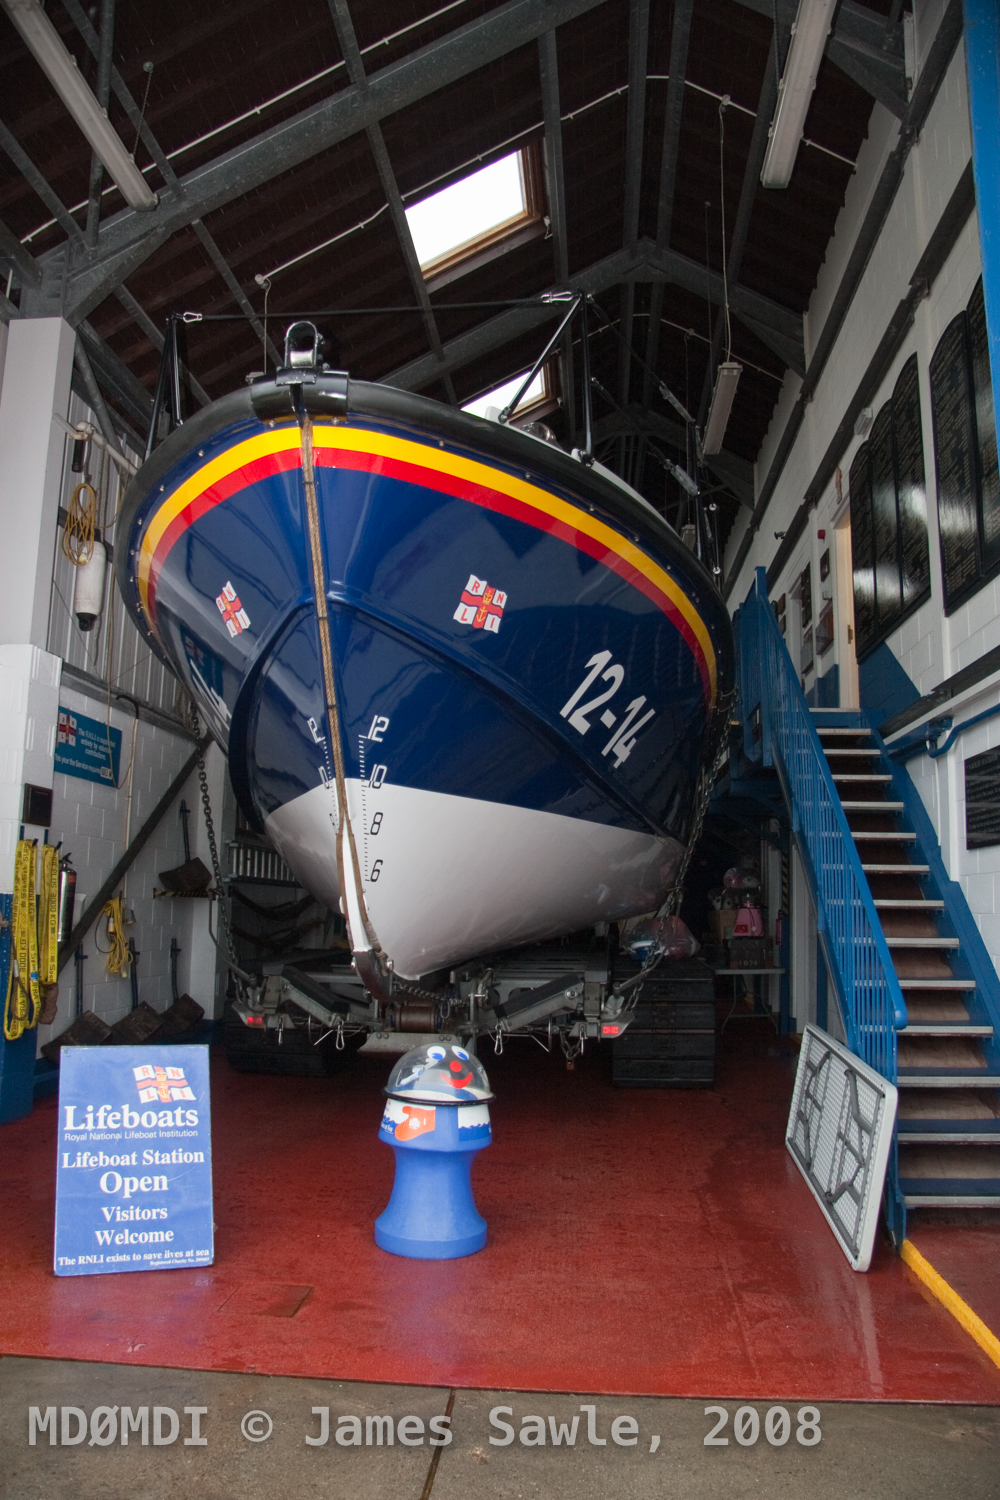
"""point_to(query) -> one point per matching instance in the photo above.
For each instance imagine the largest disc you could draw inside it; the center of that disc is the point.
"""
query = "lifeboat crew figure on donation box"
(436, 1119)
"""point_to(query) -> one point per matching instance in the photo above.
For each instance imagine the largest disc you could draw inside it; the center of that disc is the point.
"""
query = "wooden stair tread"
(955, 1104)
(950, 1200)
(948, 1082)
(915, 903)
(907, 940)
(919, 944)
(946, 1028)
(906, 983)
(853, 805)
(953, 1161)
(880, 868)
(914, 924)
(953, 1010)
(883, 835)
(939, 1052)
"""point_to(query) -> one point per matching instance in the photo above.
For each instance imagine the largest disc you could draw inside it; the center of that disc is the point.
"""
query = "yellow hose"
(119, 957)
(23, 1002)
(81, 523)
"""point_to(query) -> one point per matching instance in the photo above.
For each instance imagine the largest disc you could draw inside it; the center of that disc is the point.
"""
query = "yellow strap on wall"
(23, 1002)
(48, 918)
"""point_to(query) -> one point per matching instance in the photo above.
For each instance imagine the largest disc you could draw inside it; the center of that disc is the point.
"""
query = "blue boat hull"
(527, 663)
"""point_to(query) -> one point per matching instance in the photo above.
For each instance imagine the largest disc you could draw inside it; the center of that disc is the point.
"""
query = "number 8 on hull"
(499, 661)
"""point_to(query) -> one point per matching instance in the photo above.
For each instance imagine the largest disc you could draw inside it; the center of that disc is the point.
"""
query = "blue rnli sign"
(134, 1172)
(87, 748)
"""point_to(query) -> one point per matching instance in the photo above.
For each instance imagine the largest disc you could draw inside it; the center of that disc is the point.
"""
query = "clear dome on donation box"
(442, 1073)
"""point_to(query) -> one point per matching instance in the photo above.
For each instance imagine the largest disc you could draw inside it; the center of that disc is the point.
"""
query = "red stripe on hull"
(443, 483)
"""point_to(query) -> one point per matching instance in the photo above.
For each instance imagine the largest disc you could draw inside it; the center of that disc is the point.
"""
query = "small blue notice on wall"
(87, 748)
(134, 1171)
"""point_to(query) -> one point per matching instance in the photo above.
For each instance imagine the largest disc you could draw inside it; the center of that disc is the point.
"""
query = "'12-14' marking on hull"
(622, 741)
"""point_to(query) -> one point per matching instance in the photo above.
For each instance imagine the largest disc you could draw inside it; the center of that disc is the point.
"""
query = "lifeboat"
(465, 681)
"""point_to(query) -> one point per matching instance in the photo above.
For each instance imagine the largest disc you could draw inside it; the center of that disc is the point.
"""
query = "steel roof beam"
(555, 182)
(773, 324)
(124, 96)
(679, 39)
(776, 326)
(14, 256)
(103, 94)
(862, 44)
(344, 27)
(116, 378)
(733, 471)
(748, 194)
(129, 237)
(638, 53)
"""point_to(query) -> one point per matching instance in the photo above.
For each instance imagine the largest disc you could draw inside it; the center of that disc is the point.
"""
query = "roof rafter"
(638, 52)
(680, 37)
(344, 27)
(127, 239)
(124, 96)
(862, 44)
(555, 178)
(748, 193)
(772, 323)
(734, 472)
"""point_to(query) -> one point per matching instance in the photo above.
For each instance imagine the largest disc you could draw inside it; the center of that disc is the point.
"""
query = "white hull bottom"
(448, 878)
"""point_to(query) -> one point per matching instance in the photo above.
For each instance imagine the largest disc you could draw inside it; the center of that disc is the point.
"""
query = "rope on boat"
(329, 685)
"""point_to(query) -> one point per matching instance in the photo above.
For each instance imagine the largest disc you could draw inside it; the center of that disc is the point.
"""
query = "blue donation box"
(134, 1172)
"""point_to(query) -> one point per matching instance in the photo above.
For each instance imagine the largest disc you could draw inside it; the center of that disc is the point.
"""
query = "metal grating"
(254, 862)
(839, 1134)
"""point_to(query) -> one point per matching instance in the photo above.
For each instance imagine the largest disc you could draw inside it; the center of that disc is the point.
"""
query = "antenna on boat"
(168, 386)
(567, 318)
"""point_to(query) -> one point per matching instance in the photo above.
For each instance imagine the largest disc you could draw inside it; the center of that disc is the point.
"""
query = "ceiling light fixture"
(60, 67)
(809, 34)
(726, 381)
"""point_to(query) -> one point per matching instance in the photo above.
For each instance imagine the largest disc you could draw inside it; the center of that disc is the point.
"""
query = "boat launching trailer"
(309, 1016)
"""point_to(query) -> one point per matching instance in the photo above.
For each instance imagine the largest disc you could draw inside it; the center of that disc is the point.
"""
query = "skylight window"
(475, 213)
(537, 392)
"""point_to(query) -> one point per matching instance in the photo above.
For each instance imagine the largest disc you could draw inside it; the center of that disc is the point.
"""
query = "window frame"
(539, 406)
(529, 224)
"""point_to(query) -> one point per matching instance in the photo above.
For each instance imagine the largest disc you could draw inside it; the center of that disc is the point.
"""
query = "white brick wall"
(929, 646)
(90, 820)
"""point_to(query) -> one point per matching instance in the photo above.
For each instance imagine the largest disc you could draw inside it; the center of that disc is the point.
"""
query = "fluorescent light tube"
(809, 34)
(47, 48)
(726, 381)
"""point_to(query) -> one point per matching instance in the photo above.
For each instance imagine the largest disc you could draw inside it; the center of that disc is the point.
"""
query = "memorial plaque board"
(951, 403)
(888, 586)
(982, 799)
(911, 497)
(986, 433)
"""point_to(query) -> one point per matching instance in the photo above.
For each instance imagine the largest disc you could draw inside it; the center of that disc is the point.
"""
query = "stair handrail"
(855, 948)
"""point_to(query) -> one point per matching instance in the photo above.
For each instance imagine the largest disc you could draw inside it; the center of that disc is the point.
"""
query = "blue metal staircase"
(917, 991)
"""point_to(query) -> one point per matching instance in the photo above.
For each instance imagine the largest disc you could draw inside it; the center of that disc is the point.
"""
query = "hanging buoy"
(88, 588)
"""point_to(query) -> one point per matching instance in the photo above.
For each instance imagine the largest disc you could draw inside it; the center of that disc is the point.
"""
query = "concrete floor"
(897, 1452)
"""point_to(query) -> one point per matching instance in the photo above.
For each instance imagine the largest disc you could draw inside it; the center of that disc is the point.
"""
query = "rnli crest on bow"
(481, 605)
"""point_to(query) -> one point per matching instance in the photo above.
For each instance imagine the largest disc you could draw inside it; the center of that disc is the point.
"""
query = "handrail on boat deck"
(779, 731)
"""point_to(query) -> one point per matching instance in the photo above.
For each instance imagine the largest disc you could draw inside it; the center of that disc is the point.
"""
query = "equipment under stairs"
(917, 991)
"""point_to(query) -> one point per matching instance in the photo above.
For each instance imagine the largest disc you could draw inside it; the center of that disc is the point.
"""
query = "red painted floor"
(640, 1243)
(965, 1250)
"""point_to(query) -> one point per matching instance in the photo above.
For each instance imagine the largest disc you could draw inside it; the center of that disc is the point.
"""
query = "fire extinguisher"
(67, 898)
